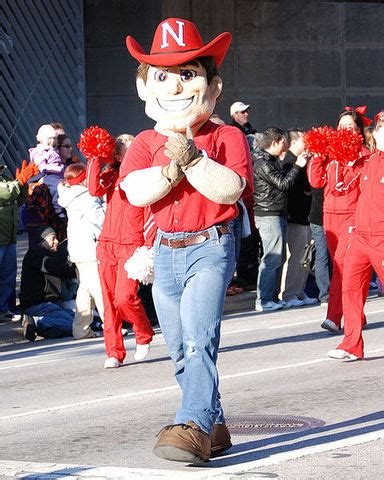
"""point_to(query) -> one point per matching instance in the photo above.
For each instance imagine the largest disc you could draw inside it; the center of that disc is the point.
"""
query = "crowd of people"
(70, 207)
(217, 209)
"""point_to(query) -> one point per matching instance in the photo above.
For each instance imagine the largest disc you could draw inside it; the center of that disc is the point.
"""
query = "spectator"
(59, 128)
(12, 194)
(318, 235)
(271, 187)
(299, 234)
(65, 148)
(85, 220)
(46, 156)
(44, 272)
(240, 112)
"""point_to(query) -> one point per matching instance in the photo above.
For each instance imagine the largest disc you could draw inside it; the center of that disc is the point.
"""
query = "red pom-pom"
(317, 140)
(97, 142)
(345, 145)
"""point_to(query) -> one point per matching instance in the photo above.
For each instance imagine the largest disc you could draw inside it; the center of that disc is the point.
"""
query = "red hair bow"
(361, 111)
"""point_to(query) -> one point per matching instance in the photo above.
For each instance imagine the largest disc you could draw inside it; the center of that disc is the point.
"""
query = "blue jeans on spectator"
(273, 233)
(8, 269)
(189, 292)
(321, 261)
(52, 321)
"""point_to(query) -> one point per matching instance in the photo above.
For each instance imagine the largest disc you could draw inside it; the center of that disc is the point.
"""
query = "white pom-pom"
(140, 265)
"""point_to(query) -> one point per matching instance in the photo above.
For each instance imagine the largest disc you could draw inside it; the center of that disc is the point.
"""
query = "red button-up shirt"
(184, 209)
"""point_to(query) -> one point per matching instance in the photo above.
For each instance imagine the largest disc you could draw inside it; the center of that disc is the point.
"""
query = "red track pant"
(364, 253)
(337, 229)
(121, 301)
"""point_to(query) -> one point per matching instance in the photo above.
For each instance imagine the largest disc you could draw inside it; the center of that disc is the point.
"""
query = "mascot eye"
(160, 76)
(187, 75)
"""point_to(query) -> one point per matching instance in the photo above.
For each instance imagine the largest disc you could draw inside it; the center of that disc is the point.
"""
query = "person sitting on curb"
(44, 270)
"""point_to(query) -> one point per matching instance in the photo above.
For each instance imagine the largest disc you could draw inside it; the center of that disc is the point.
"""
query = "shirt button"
(176, 221)
(176, 202)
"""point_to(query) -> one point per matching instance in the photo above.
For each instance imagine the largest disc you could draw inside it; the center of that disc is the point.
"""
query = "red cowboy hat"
(178, 41)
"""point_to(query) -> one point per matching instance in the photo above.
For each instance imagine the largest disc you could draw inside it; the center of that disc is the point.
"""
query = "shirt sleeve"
(138, 156)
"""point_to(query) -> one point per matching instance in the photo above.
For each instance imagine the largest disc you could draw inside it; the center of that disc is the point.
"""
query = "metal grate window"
(42, 72)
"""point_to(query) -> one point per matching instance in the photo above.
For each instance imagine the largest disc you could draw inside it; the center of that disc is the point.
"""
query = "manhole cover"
(268, 424)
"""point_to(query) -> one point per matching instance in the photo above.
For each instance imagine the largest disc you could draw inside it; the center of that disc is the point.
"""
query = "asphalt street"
(64, 416)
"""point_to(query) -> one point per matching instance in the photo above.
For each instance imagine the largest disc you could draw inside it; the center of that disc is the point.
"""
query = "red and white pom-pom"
(317, 140)
(140, 265)
(97, 142)
(345, 145)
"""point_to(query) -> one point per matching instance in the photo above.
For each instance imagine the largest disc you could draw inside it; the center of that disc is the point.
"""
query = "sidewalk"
(12, 332)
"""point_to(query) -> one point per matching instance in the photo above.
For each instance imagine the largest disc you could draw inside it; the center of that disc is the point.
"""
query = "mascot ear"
(141, 89)
(216, 86)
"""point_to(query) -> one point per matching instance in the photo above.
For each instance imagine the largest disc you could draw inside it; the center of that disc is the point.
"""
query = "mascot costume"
(191, 172)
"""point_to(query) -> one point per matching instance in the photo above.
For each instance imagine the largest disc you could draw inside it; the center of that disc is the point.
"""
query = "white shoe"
(341, 355)
(269, 306)
(112, 362)
(330, 326)
(141, 352)
(309, 300)
(294, 302)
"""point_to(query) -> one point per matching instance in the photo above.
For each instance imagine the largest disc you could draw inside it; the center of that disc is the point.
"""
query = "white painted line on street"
(301, 452)
(53, 470)
(166, 389)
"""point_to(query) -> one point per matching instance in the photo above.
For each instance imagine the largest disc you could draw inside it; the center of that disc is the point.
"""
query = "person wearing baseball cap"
(239, 112)
(191, 172)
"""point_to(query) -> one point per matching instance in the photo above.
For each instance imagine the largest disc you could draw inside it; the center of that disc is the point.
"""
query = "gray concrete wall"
(296, 63)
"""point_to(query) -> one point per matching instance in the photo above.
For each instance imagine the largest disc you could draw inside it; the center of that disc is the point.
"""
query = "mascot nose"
(174, 84)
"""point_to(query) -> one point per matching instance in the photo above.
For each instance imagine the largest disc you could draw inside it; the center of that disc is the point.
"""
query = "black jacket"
(247, 128)
(299, 195)
(271, 185)
(42, 276)
(316, 213)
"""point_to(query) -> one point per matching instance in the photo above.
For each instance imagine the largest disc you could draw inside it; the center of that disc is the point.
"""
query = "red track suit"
(125, 228)
(339, 221)
(366, 251)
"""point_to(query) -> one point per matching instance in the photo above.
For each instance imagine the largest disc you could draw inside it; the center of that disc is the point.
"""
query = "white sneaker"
(330, 326)
(294, 302)
(309, 300)
(269, 306)
(341, 355)
(112, 362)
(141, 352)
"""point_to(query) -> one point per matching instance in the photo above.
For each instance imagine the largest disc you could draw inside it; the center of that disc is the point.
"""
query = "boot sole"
(216, 452)
(174, 454)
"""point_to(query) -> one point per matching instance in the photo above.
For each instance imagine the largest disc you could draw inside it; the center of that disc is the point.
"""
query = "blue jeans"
(189, 293)
(321, 260)
(8, 269)
(273, 233)
(52, 321)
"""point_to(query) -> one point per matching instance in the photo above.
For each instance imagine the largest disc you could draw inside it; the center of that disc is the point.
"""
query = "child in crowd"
(85, 220)
(46, 156)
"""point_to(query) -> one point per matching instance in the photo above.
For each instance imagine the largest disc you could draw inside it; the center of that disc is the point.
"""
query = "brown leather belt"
(193, 240)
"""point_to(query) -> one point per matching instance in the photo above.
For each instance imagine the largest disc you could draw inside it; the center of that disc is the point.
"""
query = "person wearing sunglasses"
(65, 147)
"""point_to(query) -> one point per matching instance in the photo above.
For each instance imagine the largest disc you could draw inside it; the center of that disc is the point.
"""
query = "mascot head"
(178, 79)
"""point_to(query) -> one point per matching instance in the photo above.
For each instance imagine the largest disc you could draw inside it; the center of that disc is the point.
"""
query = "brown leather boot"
(183, 443)
(220, 439)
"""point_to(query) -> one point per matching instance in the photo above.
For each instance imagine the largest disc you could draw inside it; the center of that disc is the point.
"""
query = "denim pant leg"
(8, 269)
(273, 233)
(321, 260)
(189, 293)
(52, 321)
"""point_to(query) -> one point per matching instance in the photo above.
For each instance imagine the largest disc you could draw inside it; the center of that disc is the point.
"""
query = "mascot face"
(180, 96)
